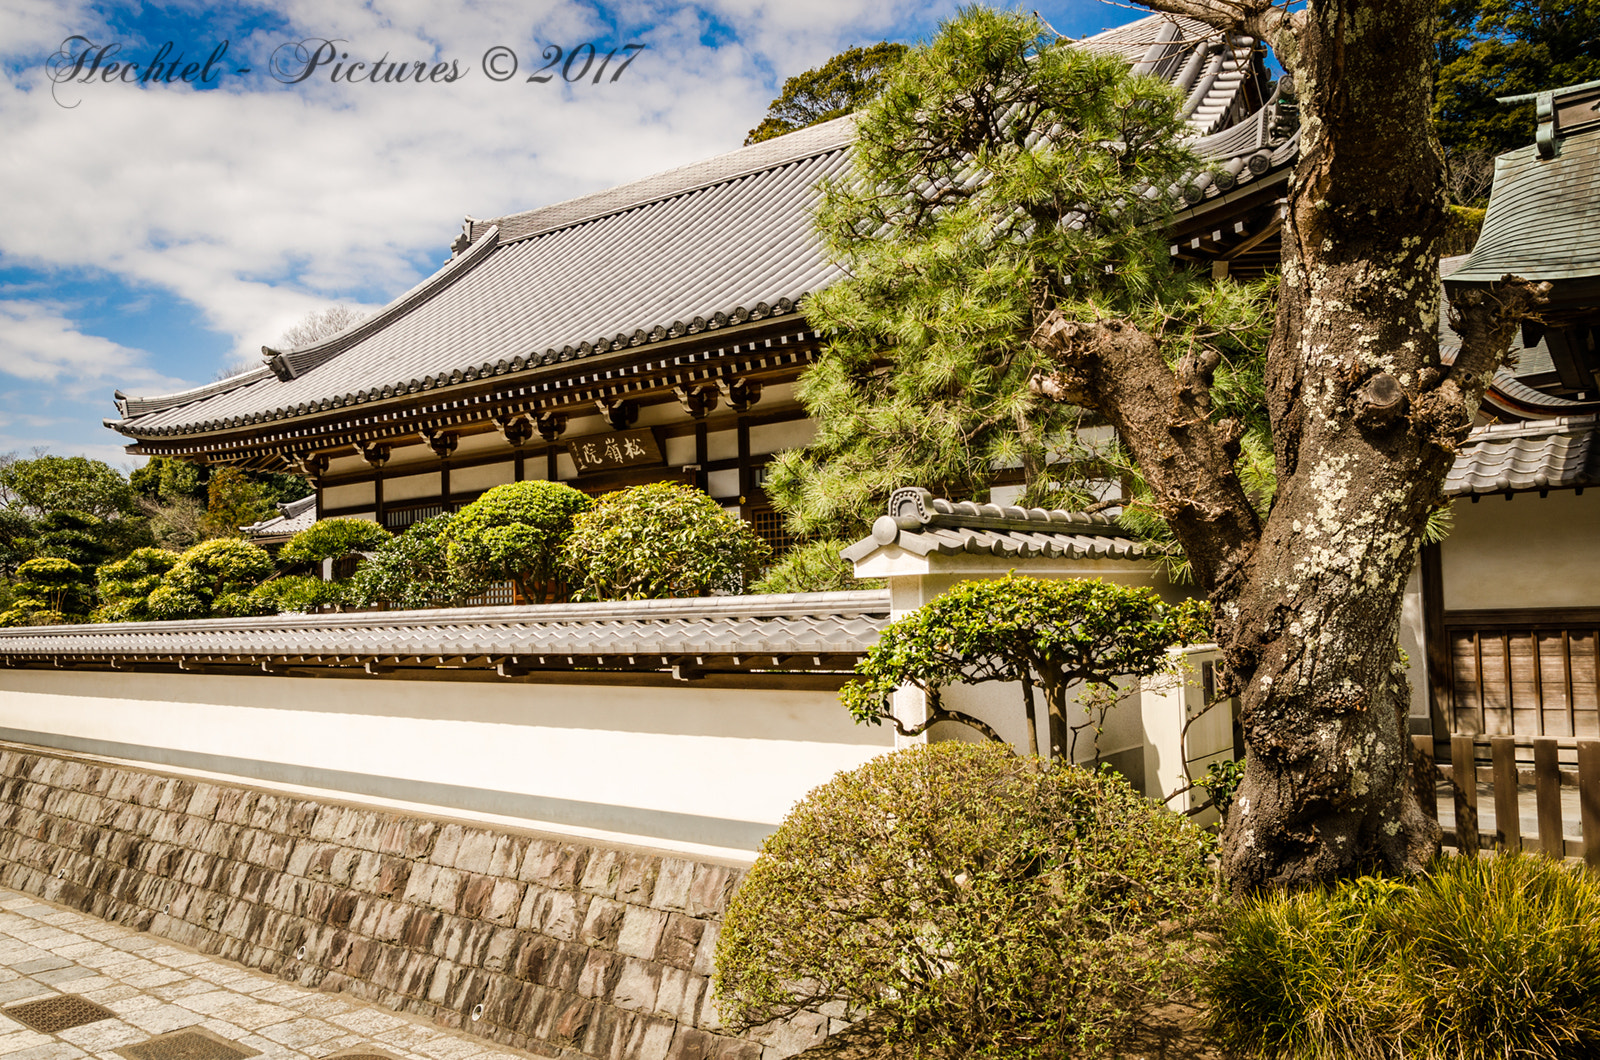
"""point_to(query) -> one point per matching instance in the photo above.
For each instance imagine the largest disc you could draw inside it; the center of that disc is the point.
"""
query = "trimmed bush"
(410, 570)
(661, 540)
(515, 533)
(331, 539)
(1492, 957)
(974, 902)
(126, 585)
(211, 578)
(50, 590)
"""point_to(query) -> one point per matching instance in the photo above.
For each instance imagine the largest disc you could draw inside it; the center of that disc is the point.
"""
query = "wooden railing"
(1564, 777)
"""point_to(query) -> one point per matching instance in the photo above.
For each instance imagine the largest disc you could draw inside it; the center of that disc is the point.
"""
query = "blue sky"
(153, 234)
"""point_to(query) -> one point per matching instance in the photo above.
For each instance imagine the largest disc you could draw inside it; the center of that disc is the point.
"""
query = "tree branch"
(935, 716)
(1163, 418)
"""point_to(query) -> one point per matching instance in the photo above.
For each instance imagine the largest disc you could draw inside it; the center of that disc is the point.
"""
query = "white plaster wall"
(466, 479)
(722, 445)
(349, 496)
(723, 483)
(410, 487)
(722, 759)
(1530, 551)
(480, 444)
(680, 450)
(774, 437)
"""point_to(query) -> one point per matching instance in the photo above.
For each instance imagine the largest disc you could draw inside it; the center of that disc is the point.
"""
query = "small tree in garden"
(49, 590)
(515, 532)
(661, 540)
(125, 586)
(331, 539)
(410, 570)
(1046, 634)
(213, 577)
(972, 901)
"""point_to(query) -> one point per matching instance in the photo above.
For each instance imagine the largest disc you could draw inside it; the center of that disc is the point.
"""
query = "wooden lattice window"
(771, 526)
(1529, 678)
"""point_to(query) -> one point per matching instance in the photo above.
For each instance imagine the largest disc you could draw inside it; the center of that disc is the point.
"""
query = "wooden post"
(1547, 781)
(1589, 799)
(1464, 778)
(1508, 823)
(1425, 775)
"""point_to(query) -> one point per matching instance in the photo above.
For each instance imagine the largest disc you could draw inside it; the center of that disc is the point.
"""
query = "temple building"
(652, 331)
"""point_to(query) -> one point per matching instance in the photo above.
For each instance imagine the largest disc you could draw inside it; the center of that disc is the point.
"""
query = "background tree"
(233, 500)
(969, 901)
(1045, 634)
(320, 324)
(836, 88)
(661, 540)
(44, 484)
(516, 533)
(927, 376)
(49, 590)
(1491, 48)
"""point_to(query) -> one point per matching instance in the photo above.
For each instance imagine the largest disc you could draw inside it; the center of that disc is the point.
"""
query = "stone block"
(506, 861)
(421, 928)
(501, 952)
(302, 815)
(419, 885)
(640, 933)
(394, 875)
(737, 1049)
(568, 1021)
(793, 1035)
(649, 1040)
(705, 958)
(447, 845)
(637, 881)
(601, 873)
(600, 972)
(475, 851)
(679, 995)
(638, 983)
(501, 907)
(608, 1032)
(672, 885)
(691, 1044)
(603, 923)
(443, 982)
(708, 894)
(474, 896)
(447, 887)
(553, 864)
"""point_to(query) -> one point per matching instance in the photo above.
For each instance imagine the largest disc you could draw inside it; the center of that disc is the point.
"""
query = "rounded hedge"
(332, 539)
(515, 532)
(975, 902)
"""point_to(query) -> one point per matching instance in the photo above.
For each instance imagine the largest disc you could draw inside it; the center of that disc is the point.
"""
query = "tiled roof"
(1543, 221)
(292, 518)
(801, 632)
(1561, 453)
(923, 525)
(720, 241)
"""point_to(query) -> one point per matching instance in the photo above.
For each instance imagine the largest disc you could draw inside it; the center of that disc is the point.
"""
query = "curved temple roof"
(714, 243)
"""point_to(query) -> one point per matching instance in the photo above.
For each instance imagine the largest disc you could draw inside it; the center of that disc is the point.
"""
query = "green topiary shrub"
(661, 540)
(1493, 957)
(974, 902)
(331, 539)
(410, 571)
(1040, 632)
(125, 586)
(515, 533)
(217, 571)
(49, 590)
(291, 592)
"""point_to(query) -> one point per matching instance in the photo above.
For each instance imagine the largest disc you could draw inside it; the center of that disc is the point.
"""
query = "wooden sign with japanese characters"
(608, 452)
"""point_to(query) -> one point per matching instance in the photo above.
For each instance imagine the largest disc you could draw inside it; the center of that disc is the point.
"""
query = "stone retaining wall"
(559, 946)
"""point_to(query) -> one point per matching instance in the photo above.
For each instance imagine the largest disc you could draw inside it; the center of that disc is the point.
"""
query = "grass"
(1495, 957)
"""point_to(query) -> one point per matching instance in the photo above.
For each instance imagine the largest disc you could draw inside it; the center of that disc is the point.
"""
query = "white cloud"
(40, 344)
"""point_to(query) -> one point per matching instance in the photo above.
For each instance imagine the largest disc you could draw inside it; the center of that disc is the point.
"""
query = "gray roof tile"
(924, 525)
(1561, 453)
(820, 624)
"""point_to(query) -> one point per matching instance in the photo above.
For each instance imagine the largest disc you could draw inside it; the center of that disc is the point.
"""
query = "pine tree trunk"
(1364, 420)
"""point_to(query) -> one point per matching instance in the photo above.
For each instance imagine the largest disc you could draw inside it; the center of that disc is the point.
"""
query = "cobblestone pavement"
(152, 987)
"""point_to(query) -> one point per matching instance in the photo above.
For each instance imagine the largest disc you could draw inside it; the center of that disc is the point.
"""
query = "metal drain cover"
(193, 1043)
(53, 1014)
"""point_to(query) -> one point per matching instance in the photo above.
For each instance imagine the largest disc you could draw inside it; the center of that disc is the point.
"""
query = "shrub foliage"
(410, 570)
(515, 532)
(1044, 633)
(976, 902)
(661, 540)
(331, 539)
